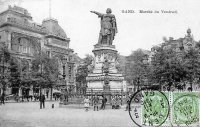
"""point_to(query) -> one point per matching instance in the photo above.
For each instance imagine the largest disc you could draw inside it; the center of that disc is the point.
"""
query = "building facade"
(24, 38)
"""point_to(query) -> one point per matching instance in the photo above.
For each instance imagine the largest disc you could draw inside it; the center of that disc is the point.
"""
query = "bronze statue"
(108, 27)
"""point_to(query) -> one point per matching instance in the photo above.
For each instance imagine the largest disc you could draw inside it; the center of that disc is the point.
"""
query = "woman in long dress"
(86, 103)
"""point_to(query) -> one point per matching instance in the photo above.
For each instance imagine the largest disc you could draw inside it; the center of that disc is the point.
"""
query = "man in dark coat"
(2, 98)
(104, 103)
(42, 101)
(96, 101)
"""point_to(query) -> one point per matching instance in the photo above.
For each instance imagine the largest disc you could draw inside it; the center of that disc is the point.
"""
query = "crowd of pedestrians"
(116, 102)
(99, 102)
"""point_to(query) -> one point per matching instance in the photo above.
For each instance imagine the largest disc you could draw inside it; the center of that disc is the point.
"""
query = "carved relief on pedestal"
(103, 54)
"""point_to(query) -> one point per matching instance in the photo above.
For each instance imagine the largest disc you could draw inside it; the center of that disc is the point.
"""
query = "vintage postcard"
(99, 63)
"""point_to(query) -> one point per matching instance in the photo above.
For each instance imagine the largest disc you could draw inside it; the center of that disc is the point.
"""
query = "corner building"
(24, 37)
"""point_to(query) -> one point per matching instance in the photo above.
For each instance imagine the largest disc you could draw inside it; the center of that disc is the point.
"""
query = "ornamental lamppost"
(64, 61)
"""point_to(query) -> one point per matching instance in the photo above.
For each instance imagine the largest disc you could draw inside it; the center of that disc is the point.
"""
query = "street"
(29, 115)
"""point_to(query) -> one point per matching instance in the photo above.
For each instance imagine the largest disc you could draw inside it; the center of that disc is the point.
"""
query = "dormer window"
(48, 53)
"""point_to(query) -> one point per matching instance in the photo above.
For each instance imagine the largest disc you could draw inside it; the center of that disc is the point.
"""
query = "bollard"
(52, 106)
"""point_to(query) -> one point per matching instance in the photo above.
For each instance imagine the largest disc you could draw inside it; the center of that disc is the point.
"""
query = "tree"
(121, 64)
(14, 78)
(137, 68)
(191, 65)
(167, 67)
(173, 67)
(82, 72)
(4, 60)
(45, 71)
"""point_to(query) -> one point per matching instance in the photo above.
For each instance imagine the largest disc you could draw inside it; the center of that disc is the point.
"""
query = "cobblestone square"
(30, 115)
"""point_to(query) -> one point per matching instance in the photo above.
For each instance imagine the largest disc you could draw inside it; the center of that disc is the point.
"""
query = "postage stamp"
(150, 108)
(165, 109)
(185, 109)
(155, 108)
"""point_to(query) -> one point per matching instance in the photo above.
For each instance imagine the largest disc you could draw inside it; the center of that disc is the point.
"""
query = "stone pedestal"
(105, 82)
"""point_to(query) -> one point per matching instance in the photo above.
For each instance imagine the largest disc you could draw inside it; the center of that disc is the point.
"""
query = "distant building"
(179, 46)
(24, 37)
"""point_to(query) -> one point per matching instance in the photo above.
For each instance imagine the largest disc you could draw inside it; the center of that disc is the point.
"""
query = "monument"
(105, 78)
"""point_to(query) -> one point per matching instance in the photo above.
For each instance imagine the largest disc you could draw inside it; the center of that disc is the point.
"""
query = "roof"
(53, 28)
(18, 10)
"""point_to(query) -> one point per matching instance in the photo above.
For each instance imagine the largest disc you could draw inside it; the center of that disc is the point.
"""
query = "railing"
(25, 24)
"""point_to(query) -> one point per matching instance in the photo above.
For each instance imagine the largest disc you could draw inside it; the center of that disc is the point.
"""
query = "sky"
(135, 30)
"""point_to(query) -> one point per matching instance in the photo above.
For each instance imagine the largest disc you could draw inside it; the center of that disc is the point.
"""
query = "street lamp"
(64, 61)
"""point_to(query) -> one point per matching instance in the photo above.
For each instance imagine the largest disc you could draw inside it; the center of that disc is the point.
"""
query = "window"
(24, 49)
(29, 50)
(20, 48)
(48, 53)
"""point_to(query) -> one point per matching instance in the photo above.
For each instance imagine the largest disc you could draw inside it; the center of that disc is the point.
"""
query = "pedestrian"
(42, 101)
(117, 99)
(96, 101)
(128, 99)
(16, 97)
(27, 97)
(105, 100)
(102, 102)
(113, 102)
(31, 96)
(3, 98)
(86, 103)
(55, 96)
(47, 93)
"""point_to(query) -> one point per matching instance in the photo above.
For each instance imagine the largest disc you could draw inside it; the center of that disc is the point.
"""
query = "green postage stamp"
(185, 109)
(165, 109)
(155, 108)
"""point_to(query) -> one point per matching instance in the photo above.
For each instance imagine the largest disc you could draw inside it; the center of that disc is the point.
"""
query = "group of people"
(116, 101)
(95, 101)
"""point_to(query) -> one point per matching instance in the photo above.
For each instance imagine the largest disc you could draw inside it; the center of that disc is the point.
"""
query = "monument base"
(105, 79)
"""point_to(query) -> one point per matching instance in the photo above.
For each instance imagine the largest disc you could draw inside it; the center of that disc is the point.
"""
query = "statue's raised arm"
(97, 13)
(108, 27)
